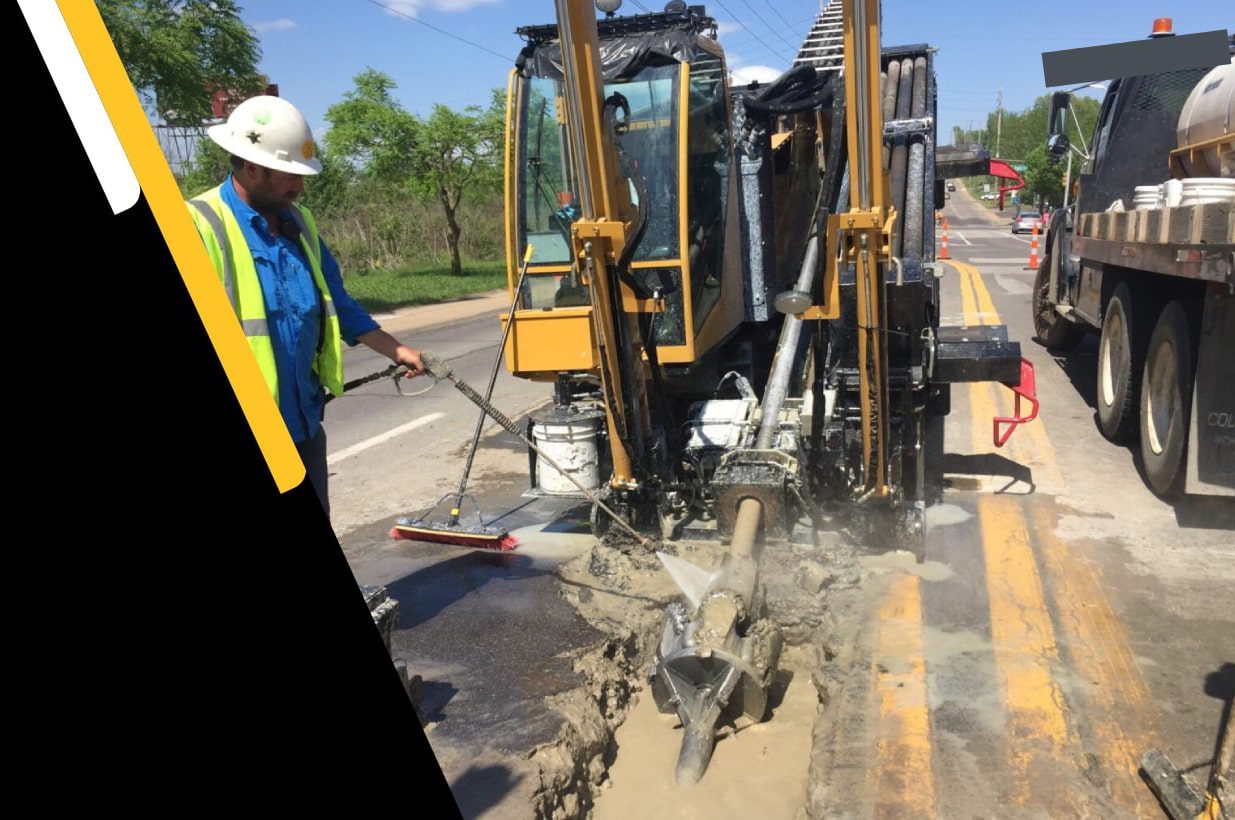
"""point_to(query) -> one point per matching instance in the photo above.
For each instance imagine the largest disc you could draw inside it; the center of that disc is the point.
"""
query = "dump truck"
(1155, 278)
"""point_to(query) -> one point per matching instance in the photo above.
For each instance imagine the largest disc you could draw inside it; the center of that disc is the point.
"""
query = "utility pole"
(999, 125)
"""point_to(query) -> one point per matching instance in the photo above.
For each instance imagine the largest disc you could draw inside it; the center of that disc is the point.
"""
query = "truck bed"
(1194, 241)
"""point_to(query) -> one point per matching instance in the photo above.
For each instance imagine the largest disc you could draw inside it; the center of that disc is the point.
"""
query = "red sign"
(224, 101)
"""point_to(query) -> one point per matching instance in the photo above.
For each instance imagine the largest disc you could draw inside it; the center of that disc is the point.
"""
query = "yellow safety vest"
(229, 251)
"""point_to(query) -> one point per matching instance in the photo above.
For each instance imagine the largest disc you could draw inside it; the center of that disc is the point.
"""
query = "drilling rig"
(734, 292)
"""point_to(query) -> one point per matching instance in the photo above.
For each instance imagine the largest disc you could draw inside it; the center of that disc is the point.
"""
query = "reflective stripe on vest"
(220, 235)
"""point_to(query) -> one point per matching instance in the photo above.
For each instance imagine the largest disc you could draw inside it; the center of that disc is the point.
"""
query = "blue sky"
(313, 48)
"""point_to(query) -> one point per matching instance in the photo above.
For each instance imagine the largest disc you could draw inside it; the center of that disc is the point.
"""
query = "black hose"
(658, 382)
(799, 89)
(613, 104)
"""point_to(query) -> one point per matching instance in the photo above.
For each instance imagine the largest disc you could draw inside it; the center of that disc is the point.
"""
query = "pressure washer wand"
(497, 365)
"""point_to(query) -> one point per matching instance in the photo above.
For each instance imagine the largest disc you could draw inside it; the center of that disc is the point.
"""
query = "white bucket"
(1172, 193)
(1204, 190)
(570, 440)
(1146, 197)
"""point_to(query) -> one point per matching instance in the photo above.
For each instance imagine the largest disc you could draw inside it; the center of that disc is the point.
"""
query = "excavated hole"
(624, 595)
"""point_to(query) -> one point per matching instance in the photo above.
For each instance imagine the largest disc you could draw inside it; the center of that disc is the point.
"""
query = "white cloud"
(282, 24)
(411, 8)
(751, 73)
(725, 28)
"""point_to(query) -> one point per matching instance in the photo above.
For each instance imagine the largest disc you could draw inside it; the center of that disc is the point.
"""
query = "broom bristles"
(496, 540)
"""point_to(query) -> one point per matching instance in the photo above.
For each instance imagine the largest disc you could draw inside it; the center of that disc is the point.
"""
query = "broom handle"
(513, 428)
(438, 369)
(497, 365)
(1226, 756)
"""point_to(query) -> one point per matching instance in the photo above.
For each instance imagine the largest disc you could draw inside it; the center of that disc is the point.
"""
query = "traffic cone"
(943, 251)
(1033, 250)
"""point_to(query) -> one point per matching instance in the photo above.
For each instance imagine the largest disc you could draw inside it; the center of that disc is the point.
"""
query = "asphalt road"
(1066, 620)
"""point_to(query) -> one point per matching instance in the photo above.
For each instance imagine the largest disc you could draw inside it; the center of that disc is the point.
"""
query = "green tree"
(444, 158)
(460, 153)
(210, 166)
(178, 52)
(1023, 138)
(370, 130)
(332, 192)
(1043, 180)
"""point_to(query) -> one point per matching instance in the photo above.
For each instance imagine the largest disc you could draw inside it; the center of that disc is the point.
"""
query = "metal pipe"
(891, 80)
(900, 154)
(787, 351)
(911, 244)
(746, 528)
(750, 511)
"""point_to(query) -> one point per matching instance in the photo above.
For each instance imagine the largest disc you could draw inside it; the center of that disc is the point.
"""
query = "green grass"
(380, 291)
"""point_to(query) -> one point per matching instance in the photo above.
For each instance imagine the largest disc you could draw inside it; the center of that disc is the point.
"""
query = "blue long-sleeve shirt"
(293, 312)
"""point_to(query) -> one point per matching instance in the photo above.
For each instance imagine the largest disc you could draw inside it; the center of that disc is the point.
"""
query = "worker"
(284, 284)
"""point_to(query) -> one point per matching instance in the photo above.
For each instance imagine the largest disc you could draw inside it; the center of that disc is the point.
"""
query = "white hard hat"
(270, 132)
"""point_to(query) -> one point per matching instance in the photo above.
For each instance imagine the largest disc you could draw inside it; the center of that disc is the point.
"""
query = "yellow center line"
(969, 302)
(1025, 652)
(985, 302)
(1097, 648)
(1090, 632)
(905, 785)
(1021, 628)
(977, 309)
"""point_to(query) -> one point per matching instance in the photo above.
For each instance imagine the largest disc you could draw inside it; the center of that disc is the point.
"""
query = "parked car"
(951, 186)
(1026, 221)
(989, 197)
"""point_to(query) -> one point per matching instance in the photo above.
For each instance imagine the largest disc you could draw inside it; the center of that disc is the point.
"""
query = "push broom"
(454, 531)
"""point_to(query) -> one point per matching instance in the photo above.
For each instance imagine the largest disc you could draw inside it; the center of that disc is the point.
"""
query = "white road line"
(1013, 287)
(348, 452)
(963, 239)
(997, 260)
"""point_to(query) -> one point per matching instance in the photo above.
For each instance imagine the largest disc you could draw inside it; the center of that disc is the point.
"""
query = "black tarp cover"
(622, 57)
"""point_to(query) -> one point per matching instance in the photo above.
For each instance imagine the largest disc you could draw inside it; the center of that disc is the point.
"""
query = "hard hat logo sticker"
(307, 149)
(254, 137)
(262, 118)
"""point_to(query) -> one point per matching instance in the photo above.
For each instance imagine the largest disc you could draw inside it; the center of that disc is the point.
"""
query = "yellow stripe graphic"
(166, 203)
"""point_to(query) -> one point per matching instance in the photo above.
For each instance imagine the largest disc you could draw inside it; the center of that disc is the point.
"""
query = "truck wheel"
(1054, 331)
(1166, 402)
(1121, 360)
